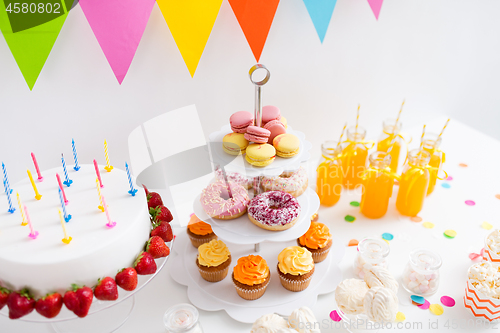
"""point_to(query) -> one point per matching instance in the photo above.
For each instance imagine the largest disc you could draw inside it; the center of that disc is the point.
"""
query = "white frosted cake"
(46, 264)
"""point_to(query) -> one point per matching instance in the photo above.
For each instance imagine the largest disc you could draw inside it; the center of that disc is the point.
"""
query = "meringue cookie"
(380, 277)
(349, 295)
(381, 304)
(303, 321)
(270, 323)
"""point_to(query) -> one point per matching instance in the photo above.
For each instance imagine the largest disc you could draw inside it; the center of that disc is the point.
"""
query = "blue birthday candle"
(132, 191)
(75, 156)
(11, 208)
(66, 216)
(68, 181)
(6, 184)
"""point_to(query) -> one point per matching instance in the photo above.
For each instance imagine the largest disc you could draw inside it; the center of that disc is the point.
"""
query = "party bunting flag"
(321, 12)
(376, 5)
(31, 33)
(255, 18)
(118, 26)
(190, 22)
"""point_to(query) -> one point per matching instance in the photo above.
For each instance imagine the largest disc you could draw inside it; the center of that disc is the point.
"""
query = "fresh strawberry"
(145, 264)
(50, 305)
(79, 300)
(4, 295)
(127, 279)
(163, 230)
(161, 213)
(154, 200)
(145, 189)
(157, 247)
(20, 304)
(106, 290)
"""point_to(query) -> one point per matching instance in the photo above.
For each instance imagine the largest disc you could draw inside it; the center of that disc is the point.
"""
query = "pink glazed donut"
(274, 210)
(216, 202)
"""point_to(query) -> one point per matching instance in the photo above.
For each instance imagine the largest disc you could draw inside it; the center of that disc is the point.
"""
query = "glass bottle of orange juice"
(329, 174)
(354, 156)
(413, 183)
(378, 182)
(391, 130)
(431, 145)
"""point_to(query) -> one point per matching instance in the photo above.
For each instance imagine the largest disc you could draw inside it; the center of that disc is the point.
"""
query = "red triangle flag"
(255, 18)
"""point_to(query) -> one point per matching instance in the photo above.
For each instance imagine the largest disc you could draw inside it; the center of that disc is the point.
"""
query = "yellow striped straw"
(443, 129)
(24, 222)
(108, 166)
(66, 239)
(399, 115)
(391, 144)
(357, 118)
(341, 135)
(422, 138)
(101, 207)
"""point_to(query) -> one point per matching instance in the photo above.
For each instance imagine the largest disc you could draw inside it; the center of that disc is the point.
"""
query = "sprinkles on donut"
(217, 204)
(274, 210)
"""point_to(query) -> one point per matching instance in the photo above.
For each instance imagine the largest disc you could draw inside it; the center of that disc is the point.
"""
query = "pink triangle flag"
(118, 26)
(376, 5)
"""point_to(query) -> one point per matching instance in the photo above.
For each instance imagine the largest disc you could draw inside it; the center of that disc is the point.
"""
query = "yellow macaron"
(260, 154)
(287, 145)
(284, 122)
(234, 143)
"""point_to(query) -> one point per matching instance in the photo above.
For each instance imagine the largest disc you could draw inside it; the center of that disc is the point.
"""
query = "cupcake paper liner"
(214, 276)
(199, 241)
(295, 284)
(251, 294)
(318, 255)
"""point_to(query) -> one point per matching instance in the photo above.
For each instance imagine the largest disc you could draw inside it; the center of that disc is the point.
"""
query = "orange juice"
(377, 186)
(354, 157)
(390, 130)
(431, 145)
(413, 183)
(329, 174)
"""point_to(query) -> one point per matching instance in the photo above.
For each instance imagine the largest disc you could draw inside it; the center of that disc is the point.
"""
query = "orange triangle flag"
(255, 18)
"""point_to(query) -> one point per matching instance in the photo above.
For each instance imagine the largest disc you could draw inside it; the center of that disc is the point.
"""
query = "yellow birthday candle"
(101, 207)
(38, 196)
(108, 166)
(24, 222)
(66, 239)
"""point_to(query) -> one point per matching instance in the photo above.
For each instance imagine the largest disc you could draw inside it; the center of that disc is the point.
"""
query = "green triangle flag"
(31, 34)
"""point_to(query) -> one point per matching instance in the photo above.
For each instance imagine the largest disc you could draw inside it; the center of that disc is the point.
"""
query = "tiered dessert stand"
(244, 238)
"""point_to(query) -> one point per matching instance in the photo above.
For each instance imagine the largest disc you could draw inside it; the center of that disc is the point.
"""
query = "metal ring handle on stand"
(258, 97)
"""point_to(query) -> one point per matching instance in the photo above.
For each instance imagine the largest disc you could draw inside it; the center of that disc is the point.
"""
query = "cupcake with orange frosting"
(317, 240)
(213, 260)
(199, 232)
(250, 277)
(295, 268)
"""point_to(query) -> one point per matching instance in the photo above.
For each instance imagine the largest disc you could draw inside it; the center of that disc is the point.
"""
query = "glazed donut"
(234, 177)
(274, 210)
(294, 182)
(216, 202)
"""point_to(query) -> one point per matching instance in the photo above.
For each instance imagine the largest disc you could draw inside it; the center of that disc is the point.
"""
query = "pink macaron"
(240, 121)
(257, 134)
(269, 113)
(276, 128)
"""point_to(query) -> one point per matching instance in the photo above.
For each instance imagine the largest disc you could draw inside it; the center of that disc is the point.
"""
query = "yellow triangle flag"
(190, 22)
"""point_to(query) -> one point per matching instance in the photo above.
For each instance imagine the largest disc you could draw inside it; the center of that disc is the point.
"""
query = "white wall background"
(441, 55)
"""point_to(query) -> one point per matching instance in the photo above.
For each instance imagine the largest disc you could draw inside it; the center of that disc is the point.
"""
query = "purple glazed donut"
(274, 210)
(216, 202)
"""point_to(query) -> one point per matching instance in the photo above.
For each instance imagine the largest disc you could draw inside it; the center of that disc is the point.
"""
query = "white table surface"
(480, 182)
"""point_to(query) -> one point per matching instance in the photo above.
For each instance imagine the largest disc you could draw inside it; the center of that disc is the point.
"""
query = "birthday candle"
(66, 239)
(11, 208)
(38, 196)
(108, 167)
(75, 156)
(98, 174)
(23, 223)
(132, 191)
(101, 207)
(66, 216)
(68, 181)
(110, 223)
(40, 178)
(6, 179)
(62, 189)
(33, 234)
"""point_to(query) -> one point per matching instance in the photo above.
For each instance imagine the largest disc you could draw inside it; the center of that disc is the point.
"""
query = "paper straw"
(341, 136)
(357, 118)
(443, 129)
(422, 138)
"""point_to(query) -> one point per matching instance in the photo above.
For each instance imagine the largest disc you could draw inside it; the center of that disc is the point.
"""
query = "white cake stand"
(243, 231)
(103, 316)
(222, 295)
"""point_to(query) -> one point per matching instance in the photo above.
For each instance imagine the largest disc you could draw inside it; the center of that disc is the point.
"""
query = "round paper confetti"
(445, 185)
(450, 233)
(416, 219)
(475, 256)
(486, 226)
(335, 316)
(449, 178)
(448, 301)
(428, 225)
(349, 218)
(354, 203)
(417, 299)
(353, 242)
(387, 236)
(425, 306)
(400, 316)
(463, 165)
(497, 196)
(469, 203)
(436, 309)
